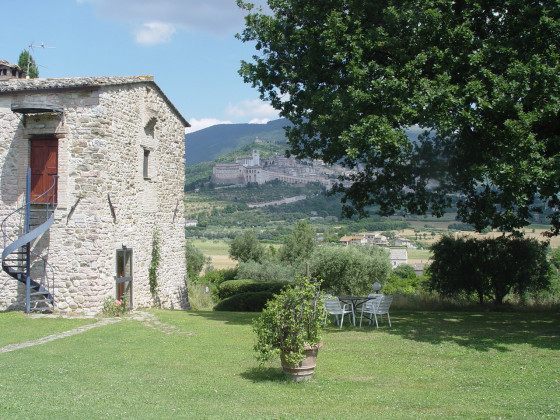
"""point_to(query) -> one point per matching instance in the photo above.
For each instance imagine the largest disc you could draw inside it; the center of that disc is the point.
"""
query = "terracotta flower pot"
(304, 370)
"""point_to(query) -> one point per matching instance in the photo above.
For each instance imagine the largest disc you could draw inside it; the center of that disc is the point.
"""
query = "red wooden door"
(44, 163)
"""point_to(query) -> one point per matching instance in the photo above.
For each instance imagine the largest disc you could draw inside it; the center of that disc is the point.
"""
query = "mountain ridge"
(210, 143)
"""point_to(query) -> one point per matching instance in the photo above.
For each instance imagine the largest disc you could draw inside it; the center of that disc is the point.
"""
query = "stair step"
(14, 268)
(41, 297)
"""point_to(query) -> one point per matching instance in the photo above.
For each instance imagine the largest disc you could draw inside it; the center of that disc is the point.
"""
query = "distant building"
(353, 240)
(403, 242)
(289, 170)
(228, 173)
(398, 255)
(419, 268)
(10, 71)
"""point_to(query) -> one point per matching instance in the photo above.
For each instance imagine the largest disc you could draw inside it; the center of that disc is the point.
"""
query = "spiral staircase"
(20, 229)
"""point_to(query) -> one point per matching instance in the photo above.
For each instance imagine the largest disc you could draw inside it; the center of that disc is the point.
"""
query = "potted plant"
(290, 326)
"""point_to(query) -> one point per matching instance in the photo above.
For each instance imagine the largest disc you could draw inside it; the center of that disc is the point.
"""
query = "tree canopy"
(246, 247)
(299, 244)
(350, 271)
(195, 260)
(24, 58)
(469, 265)
(481, 78)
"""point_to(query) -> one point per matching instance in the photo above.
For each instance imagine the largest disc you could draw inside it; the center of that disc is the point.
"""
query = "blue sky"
(187, 45)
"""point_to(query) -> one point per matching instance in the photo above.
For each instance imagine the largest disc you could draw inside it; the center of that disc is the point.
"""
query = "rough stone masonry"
(120, 169)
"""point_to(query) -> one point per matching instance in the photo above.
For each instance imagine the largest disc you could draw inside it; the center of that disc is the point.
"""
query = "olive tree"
(350, 270)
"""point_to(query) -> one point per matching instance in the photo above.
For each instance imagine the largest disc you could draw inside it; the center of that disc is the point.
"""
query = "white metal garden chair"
(335, 307)
(377, 306)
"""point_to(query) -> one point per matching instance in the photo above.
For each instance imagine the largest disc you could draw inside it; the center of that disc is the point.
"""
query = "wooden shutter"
(44, 164)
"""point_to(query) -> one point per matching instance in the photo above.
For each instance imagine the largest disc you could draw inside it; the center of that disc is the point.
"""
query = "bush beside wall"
(233, 287)
(245, 302)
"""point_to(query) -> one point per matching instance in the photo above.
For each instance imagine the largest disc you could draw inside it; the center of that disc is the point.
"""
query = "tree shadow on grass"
(264, 374)
(480, 331)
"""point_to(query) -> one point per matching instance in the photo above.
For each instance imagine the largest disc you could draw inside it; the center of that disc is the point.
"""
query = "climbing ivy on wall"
(154, 264)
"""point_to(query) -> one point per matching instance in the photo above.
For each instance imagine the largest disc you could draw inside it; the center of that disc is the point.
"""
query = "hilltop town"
(290, 170)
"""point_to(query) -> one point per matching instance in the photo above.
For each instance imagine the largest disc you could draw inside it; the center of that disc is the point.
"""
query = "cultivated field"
(217, 250)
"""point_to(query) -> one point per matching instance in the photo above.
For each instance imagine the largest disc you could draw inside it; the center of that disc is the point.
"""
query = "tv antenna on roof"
(31, 47)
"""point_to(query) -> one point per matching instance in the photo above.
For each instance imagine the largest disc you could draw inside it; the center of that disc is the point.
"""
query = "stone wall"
(227, 173)
(105, 201)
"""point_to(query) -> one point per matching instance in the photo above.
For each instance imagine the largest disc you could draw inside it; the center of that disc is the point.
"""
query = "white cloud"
(152, 33)
(215, 17)
(203, 123)
(251, 108)
(259, 121)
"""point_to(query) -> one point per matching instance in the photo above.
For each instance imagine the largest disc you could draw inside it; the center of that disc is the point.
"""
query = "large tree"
(480, 77)
(470, 266)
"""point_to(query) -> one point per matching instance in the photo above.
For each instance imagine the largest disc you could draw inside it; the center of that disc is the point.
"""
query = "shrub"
(233, 287)
(350, 270)
(216, 277)
(245, 302)
(555, 258)
(114, 307)
(461, 226)
(154, 263)
(269, 271)
(199, 298)
(195, 260)
(403, 280)
(290, 322)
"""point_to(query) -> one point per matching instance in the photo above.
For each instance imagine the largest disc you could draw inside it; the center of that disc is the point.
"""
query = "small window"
(124, 275)
(146, 163)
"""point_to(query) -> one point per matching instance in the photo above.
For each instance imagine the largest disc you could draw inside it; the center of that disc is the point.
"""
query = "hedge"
(233, 287)
(245, 302)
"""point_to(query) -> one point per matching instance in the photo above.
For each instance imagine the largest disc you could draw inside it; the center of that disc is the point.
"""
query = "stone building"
(289, 170)
(398, 255)
(113, 150)
(228, 173)
(9, 71)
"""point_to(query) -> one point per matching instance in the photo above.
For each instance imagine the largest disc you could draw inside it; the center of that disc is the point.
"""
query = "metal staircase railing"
(35, 218)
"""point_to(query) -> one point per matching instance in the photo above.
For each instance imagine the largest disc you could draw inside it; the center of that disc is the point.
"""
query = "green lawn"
(428, 365)
(12, 331)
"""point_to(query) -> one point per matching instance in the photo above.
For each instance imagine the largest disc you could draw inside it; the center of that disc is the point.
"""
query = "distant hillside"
(199, 174)
(210, 143)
